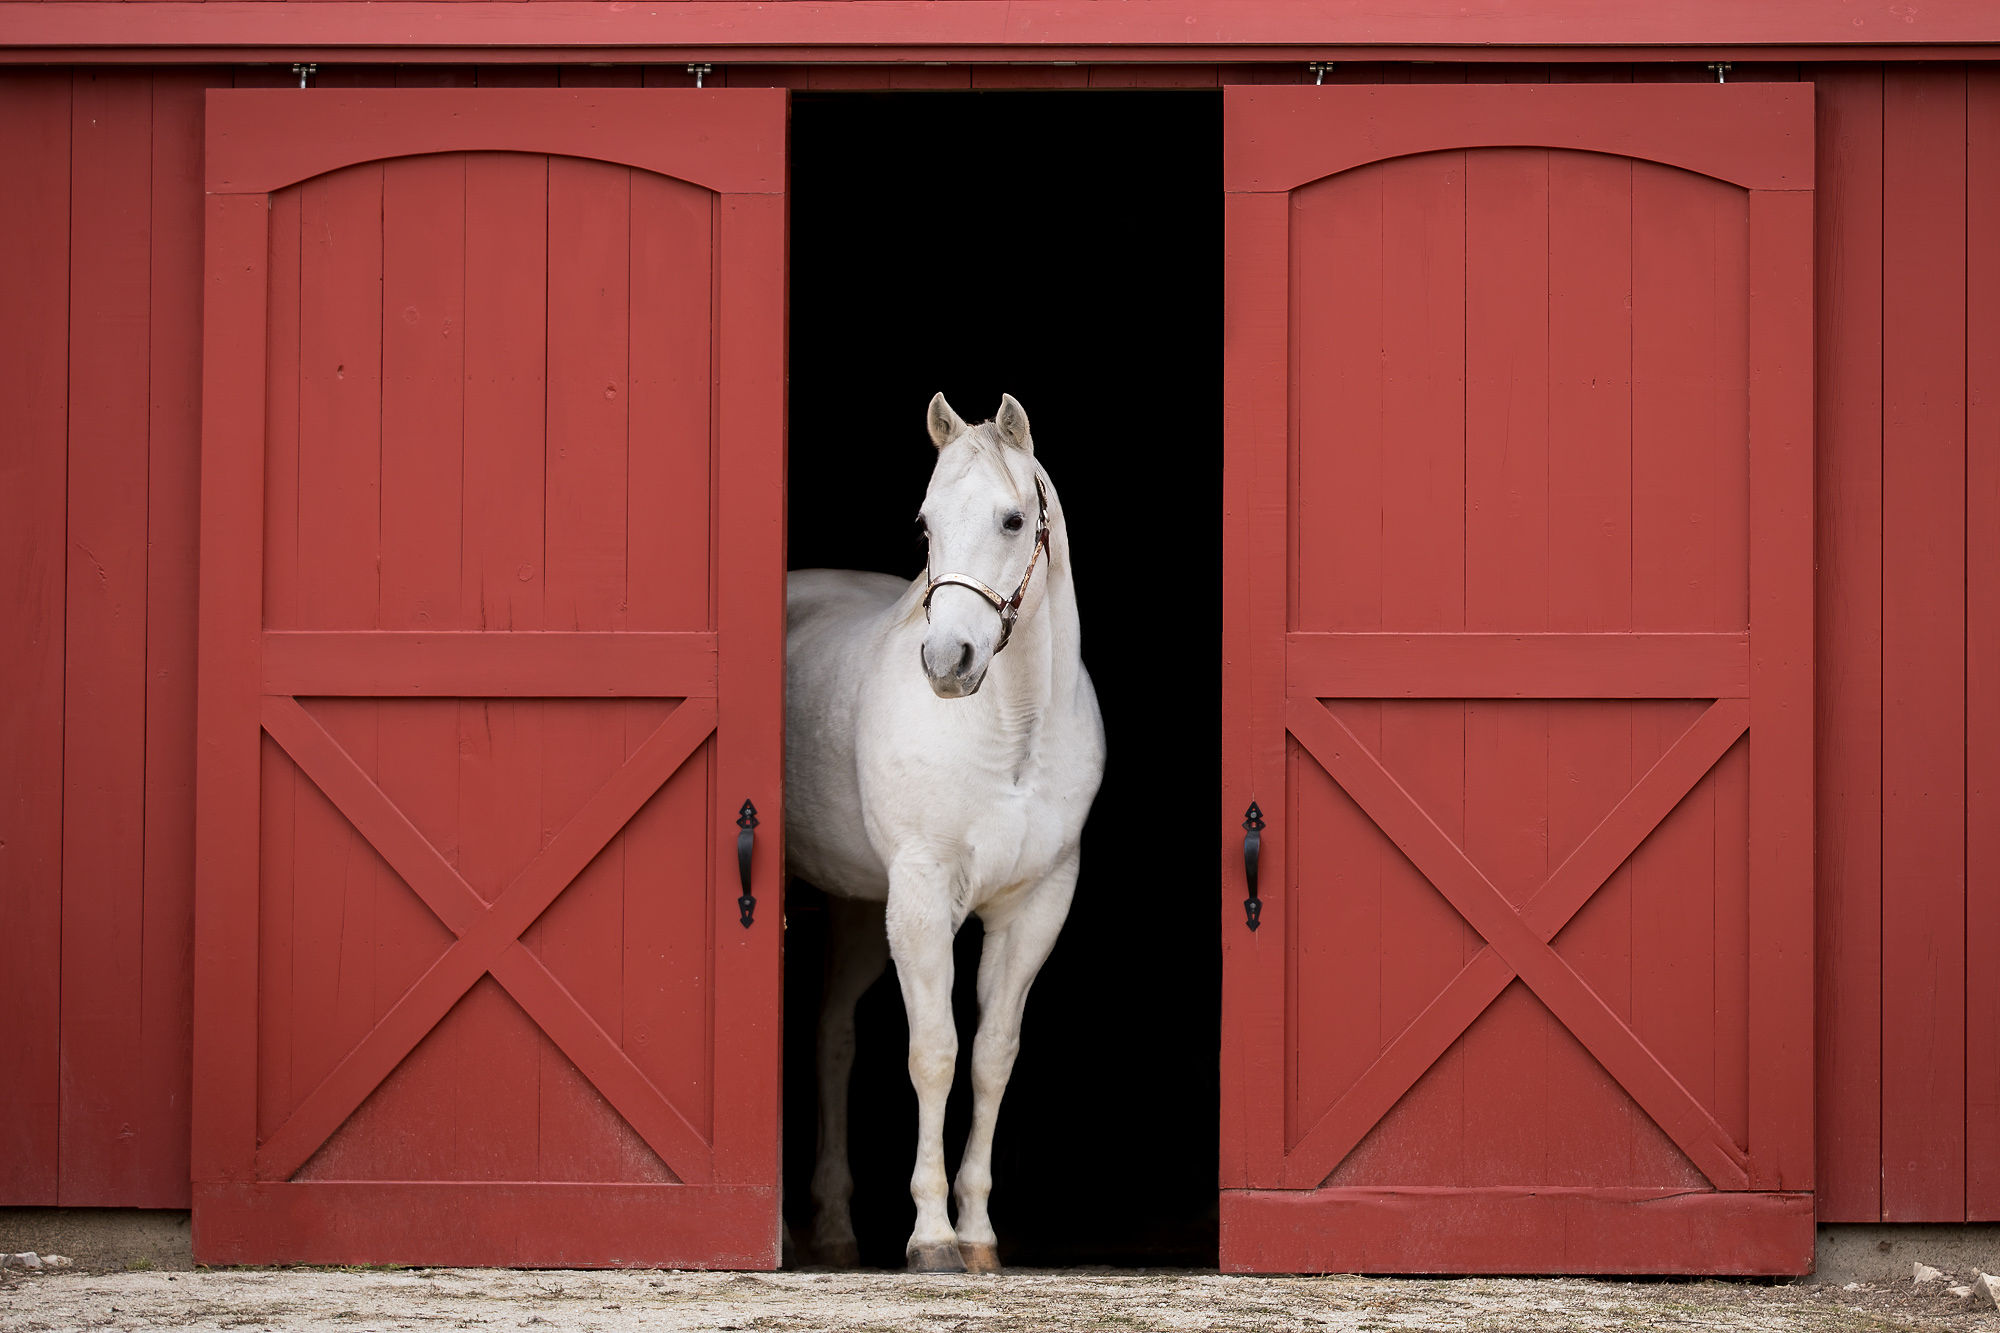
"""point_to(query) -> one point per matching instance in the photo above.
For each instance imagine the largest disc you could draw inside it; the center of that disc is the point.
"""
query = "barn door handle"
(1253, 842)
(746, 843)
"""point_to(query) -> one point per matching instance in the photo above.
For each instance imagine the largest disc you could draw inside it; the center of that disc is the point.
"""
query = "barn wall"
(100, 287)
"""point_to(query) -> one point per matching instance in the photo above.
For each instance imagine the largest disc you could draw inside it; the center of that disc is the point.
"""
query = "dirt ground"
(1070, 1300)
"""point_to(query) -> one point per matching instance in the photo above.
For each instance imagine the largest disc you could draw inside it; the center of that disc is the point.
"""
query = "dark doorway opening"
(1065, 247)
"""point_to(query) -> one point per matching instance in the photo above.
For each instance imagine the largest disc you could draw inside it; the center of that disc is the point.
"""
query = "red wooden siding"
(1907, 303)
(74, 1080)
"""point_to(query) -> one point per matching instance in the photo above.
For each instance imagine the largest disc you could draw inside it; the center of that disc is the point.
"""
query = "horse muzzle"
(953, 665)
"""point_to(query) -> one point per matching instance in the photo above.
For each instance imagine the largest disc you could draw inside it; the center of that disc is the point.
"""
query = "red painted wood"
(750, 624)
(583, 552)
(1501, 1230)
(1688, 127)
(1590, 590)
(172, 542)
(502, 588)
(1776, 971)
(1982, 645)
(1848, 830)
(485, 795)
(1549, 911)
(339, 127)
(1689, 475)
(1538, 665)
(1469, 890)
(1471, 757)
(1254, 1090)
(976, 26)
(521, 1224)
(546, 664)
(421, 535)
(34, 344)
(238, 231)
(1923, 647)
(109, 1127)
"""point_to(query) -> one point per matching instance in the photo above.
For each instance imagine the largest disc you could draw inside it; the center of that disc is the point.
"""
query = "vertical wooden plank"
(750, 669)
(174, 469)
(34, 369)
(589, 383)
(500, 811)
(1255, 365)
(669, 492)
(1923, 644)
(1982, 646)
(338, 876)
(1421, 372)
(107, 1133)
(669, 497)
(279, 462)
(1506, 564)
(1590, 581)
(228, 690)
(422, 514)
(1510, 1059)
(1780, 927)
(1848, 827)
(1688, 570)
(1332, 581)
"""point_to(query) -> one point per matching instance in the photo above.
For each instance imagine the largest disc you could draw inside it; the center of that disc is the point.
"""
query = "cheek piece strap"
(1008, 607)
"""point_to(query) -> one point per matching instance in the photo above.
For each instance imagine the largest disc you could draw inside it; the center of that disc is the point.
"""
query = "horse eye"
(1012, 522)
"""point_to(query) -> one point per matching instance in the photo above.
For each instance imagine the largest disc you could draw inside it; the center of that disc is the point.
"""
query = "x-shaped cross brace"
(489, 939)
(1517, 943)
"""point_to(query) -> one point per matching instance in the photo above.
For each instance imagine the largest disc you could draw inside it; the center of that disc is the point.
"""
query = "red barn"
(1578, 429)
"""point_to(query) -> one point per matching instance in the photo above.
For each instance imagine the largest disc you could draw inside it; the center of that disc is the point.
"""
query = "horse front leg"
(857, 951)
(1011, 956)
(921, 922)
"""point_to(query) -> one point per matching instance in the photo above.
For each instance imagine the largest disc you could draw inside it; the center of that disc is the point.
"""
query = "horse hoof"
(940, 1258)
(837, 1254)
(979, 1258)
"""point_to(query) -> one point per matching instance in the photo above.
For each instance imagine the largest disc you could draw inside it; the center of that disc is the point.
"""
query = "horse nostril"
(965, 660)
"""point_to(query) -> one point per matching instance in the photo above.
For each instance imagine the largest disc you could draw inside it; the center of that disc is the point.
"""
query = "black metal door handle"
(1253, 842)
(746, 843)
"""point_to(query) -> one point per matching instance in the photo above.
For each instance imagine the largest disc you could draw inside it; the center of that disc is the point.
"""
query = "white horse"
(931, 773)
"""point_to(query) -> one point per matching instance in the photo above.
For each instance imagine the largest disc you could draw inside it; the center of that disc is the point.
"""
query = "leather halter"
(1008, 607)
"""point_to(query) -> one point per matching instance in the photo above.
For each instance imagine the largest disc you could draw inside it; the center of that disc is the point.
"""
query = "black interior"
(1065, 247)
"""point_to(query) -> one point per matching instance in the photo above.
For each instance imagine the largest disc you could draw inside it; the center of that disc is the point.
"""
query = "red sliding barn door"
(1518, 661)
(492, 610)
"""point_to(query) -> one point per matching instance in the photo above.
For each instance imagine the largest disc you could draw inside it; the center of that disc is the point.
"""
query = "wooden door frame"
(1273, 1216)
(732, 680)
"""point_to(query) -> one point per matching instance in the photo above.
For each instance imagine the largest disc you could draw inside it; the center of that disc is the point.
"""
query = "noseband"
(1008, 607)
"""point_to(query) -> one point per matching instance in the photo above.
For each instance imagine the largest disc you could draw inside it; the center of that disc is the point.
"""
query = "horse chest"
(1003, 822)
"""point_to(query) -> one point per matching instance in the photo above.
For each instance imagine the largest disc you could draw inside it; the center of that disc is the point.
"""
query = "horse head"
(985, 515)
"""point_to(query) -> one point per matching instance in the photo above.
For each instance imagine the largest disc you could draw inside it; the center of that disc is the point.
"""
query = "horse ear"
(945, 424)
(1012, 421)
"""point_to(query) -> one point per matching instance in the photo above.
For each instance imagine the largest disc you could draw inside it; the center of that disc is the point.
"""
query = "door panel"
(492, 617)
(1518, 644)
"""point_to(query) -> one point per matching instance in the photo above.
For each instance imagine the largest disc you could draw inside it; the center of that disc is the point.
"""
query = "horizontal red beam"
(882, 26)
(1518, 666)
(486, 1224)
(1028, 67)
(473, 665)
(1515, 1230)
